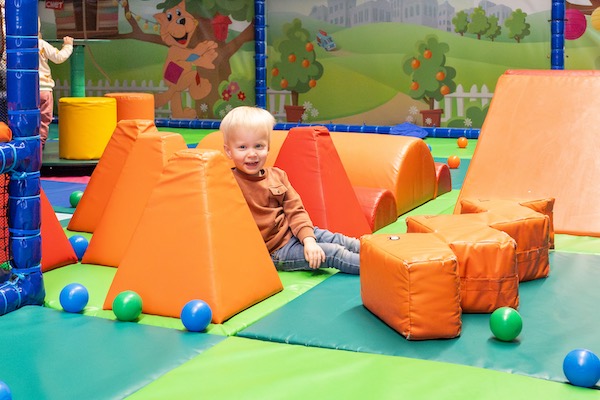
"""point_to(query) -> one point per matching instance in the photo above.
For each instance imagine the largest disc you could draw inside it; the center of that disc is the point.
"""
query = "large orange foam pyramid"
(140, 173)
(196, 239)
(314, 168)
(56, 248)
(99, 189)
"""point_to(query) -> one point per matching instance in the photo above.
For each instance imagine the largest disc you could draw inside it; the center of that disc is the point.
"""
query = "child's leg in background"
(46, 109)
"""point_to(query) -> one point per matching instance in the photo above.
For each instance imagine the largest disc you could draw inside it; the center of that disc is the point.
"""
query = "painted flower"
(468, 122)
(428, 122)
(226, 95)
(233, 87)
(413, 110)
(204, 107)
(241, 96)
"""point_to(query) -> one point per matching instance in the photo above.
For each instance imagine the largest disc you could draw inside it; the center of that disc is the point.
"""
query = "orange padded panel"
(316, 172)
(378, 205)
(486, 259)
(411, 282)
(57, 251)
(529, 228)
(196, 239)
(556, 156)
(140, 173)
(99, 189)
(443, 179)
(401, 164)
(131, 105)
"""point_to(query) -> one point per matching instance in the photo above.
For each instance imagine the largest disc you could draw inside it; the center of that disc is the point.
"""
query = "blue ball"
(5, 392)
(74, 297)
(196, 315)
(80, 245)
(582, 367)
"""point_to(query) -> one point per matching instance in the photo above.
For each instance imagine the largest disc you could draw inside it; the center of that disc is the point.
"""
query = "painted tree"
(297, 69)
(479, 23)
(517, 25)
(495, 30)
(461, 22)
(432, 79)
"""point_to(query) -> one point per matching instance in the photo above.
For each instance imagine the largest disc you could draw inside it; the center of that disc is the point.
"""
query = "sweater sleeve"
(55, 55)
(297, 216)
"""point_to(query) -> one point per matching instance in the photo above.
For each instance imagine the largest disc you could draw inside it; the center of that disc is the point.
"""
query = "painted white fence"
(457, 100)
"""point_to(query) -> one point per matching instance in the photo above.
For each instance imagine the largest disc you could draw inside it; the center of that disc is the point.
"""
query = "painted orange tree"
(431, 78)
(297, 69)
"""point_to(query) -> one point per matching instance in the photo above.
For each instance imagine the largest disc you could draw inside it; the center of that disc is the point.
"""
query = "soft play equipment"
(196, 239)
(486, 258)
(132, 105)
(313, 166)
(529, 229)
(56, 248)
(131, 191)
(403, 165)
(85, 126)
(99, 189)
(443, 179)
(378, 205)
(521, 156)
(411, 282)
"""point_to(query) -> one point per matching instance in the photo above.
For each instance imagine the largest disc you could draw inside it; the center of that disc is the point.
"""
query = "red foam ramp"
(56, 248)
(99, 189)
(140, 173)
(539, 140)
(314, 168)
(196, 239)
(443, 179)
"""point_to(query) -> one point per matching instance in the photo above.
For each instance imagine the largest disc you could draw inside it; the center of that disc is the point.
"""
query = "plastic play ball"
(127, 306)
(74, 297)
(575, 24)
(196, 315)
(75, 197)
(80, 245)
(5, 391)
(462, 142)
(506, 323)
(453, 162)
(582, 367)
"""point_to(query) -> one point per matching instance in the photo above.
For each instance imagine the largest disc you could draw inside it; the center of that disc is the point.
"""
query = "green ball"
(506, 323)
(75, 197)
(127, 306)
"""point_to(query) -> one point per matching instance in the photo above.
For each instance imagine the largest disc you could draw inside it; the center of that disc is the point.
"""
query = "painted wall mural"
(377, 62)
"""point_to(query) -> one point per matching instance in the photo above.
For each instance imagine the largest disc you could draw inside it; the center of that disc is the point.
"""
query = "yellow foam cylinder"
(131, 105)
(85, 125)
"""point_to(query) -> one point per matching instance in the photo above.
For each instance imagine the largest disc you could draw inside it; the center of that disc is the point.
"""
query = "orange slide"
(539, 141)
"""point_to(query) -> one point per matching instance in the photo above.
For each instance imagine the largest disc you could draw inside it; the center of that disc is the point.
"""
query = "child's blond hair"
(247, 118)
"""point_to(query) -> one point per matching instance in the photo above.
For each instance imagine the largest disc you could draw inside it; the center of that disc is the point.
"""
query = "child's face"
(248, 150)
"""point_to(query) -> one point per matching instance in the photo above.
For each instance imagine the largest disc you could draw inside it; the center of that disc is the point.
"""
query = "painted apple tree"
(297, 69)
(431, 78)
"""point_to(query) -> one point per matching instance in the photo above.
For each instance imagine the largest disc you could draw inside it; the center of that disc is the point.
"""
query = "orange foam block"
(520, 157)
(443, 179)
(378, 205)
(486, 258)
(99, 189)
(314, 168)
(56, 248)
(411, 282)
(140, 173)
(529, 228)
(196, 239)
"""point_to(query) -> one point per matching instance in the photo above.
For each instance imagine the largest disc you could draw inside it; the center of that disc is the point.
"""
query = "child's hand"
(68, 40)
(313, 253)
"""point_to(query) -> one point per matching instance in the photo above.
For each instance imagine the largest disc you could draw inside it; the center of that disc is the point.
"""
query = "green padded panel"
(556, 315)
(248, 369)
(97, 280)
(51, 354)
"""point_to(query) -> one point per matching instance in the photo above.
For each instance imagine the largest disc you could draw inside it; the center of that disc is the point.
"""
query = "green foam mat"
(97, 279)
(242, 369)
(51, 354)
(557, 317)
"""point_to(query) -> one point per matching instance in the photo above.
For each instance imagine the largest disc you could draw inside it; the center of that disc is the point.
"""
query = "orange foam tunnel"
(196, 239)
(99, 189)
(140, 173)
(539, 141)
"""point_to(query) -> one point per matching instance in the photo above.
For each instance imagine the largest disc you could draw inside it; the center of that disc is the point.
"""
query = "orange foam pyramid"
(196, 239)
(99, 189)
(140, 173)
(56, 248)
(314, 168)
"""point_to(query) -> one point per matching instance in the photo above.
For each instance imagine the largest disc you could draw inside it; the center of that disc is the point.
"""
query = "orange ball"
(453, 161)
(462, 142)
